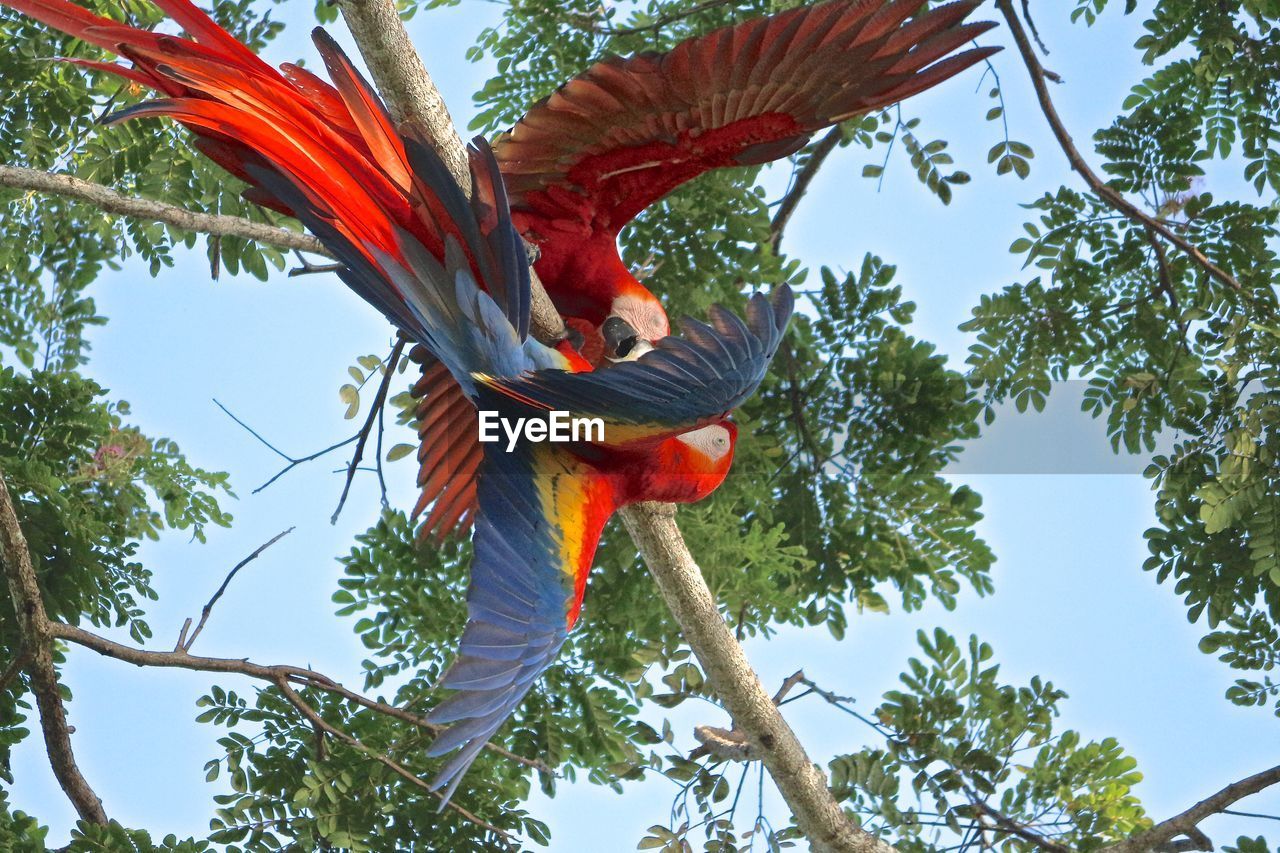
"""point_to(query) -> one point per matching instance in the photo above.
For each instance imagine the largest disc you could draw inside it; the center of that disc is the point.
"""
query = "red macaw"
(451, 272)
(624, 133)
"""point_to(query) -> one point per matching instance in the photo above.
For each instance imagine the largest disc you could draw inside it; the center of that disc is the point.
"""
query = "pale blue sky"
(1071, 602)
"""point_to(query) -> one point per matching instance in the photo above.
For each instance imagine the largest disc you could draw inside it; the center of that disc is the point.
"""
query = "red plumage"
(577, 167)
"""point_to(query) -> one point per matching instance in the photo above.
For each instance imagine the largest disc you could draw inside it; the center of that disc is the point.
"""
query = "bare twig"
(35, 629)
(318, 722)
(293, 462)
(185, 642)
(1185, 823)
(818, 154)
(1251, 814)
(308, 268)
(111, 201)
(1031, 25)
(1012, 827)
(179, 659)
(379, 400)
(661, 21)
(15, 666)
(1077, 161)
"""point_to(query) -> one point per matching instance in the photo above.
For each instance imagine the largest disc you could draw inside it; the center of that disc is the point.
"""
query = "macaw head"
(636, 319)
(695, 463)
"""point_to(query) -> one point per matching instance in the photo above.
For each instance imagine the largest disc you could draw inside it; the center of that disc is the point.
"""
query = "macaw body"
(617, 138)
(452, 274)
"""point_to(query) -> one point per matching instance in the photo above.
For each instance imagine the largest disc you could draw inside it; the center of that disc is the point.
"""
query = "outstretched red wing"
(626, 132)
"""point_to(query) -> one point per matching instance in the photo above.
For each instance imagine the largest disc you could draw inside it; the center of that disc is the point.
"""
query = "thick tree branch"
(409, 93)
(1077, 161)
(37, 635)
(400, 76)
(412, 97)
(111, 201)
(802, 783)
(1159, 836)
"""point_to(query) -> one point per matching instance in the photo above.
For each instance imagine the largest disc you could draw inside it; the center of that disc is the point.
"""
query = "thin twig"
(208, 608)
(308, 268)
(661, 21)
(293, 462)
(1012, 827)
(1031, 25)
(1251, 814)
(15, 666)
(36, 630)
(1077, 161)
(396, 767)
(109, 200)
(363, 436)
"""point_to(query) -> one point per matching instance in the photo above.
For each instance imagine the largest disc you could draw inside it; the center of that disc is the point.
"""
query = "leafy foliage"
(1166, 348)
(836, 508)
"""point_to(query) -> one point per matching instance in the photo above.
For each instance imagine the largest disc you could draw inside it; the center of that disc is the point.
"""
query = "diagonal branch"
(1077, 161)
(37, 634)
(412, 97)
(185, 642)
(181, 659)
(377, 29)
(817, 156)
(112, 201)
(802, 784)
(1159, 836)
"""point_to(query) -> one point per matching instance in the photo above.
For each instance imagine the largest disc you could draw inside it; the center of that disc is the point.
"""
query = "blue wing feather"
(518, 599)
(681, 383)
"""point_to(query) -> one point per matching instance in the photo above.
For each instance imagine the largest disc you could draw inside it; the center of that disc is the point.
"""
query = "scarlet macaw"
(452, 274)
(624, 133)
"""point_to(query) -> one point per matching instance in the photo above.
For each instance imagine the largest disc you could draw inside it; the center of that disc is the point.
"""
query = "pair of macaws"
(452, 274)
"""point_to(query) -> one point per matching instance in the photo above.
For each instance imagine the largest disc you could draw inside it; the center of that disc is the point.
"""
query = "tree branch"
(817, 156)
(412, 97)
(1077, 161)
(180, 659)
(37, 635)
(321, 725)
(802, 783)
(375, 410)
(1158, 836)
(400, 76)
(408, 91)
(185, 642)
(111, 201)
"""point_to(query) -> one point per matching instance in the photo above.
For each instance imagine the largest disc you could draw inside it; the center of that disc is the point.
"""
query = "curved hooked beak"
(621, 342)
